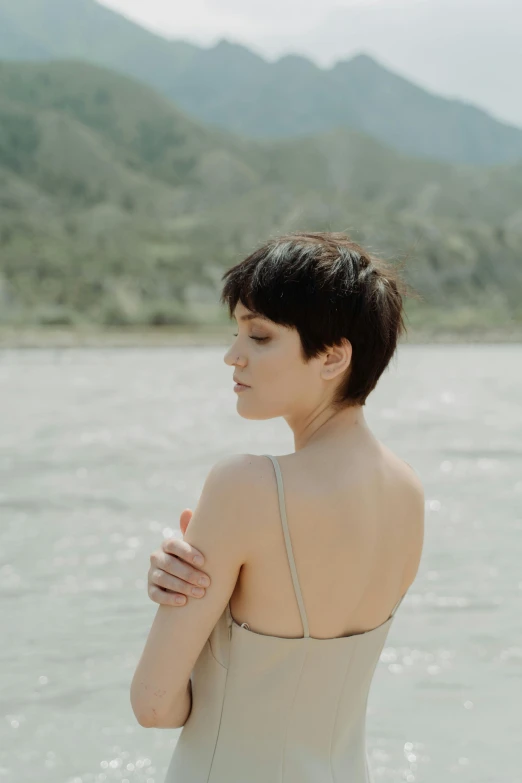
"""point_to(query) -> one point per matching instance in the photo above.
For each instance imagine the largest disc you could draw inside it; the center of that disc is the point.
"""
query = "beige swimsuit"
(269, 709)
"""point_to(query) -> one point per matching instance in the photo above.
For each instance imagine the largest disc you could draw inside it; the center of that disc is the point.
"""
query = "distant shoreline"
(165, 337)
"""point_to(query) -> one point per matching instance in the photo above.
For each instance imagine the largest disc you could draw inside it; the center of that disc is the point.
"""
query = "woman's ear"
(338, 359)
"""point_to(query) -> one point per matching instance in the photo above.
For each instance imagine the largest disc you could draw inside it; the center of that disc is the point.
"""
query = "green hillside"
(231, 87)
(117, 208)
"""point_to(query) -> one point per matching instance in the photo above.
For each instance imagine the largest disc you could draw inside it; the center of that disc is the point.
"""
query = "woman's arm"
(161, 689)
(154, 701)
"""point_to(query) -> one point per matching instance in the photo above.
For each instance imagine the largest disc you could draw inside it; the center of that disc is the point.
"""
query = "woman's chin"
(254, 415)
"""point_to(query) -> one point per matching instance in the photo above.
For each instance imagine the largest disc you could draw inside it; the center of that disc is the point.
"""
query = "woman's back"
(356, 519)
(270, 706)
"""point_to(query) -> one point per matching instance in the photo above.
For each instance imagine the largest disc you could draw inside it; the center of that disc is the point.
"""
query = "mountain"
(118, 208)
(230, 87)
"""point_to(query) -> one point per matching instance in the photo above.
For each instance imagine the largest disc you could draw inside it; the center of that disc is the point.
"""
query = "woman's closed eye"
(257, 339)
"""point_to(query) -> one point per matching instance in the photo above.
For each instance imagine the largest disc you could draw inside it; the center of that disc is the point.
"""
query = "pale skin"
(355, 512)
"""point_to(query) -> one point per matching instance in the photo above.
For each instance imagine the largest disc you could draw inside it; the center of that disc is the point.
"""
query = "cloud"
(208, 20)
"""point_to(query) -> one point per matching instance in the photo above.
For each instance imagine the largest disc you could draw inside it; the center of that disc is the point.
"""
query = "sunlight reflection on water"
(100, 452)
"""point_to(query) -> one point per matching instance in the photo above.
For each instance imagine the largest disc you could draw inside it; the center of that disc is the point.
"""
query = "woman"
(309, 554)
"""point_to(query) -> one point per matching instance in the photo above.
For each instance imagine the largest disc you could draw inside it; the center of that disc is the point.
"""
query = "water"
(100, 450)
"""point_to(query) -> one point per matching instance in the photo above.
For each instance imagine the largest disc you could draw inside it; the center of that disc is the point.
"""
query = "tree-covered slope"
(115, 207)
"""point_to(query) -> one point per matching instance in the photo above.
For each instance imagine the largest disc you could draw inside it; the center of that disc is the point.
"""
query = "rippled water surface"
(100, 450)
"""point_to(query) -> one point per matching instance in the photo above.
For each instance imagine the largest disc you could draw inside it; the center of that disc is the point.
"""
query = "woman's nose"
(231, 357)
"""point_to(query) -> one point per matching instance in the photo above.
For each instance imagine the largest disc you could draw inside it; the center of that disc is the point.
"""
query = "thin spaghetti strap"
(288, 543)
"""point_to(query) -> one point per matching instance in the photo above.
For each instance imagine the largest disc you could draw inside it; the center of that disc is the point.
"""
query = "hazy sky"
(468, 49)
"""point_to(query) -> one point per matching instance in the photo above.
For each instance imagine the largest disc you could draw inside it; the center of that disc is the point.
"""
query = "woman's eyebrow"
(251, 316)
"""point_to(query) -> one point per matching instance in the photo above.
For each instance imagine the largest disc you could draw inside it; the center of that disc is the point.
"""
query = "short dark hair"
(327, 287)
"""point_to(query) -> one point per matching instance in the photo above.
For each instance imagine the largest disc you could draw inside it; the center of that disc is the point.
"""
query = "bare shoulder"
(238, 482)
(410, 495)
(238, 471)
(223, 512)
(414, 498)
(406, 475)
(243, 489)
(414, 483)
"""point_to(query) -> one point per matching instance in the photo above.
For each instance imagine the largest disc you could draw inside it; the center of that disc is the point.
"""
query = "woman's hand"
(173, 574)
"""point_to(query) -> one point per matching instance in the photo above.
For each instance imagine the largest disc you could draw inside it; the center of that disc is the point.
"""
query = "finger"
(173, 565)
(185, 517)
(178, 568)
(183, 550)
(160, 596)
(161, 579)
